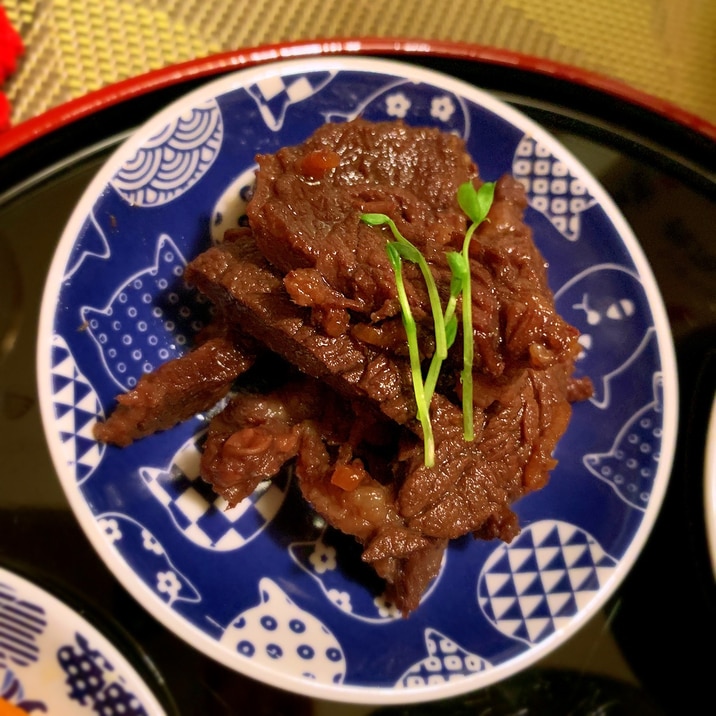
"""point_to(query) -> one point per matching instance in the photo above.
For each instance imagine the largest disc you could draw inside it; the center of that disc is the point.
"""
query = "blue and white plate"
(53, 661)
(263, 588)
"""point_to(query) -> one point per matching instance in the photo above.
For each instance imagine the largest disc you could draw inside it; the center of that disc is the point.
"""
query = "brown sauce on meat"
(310, 282)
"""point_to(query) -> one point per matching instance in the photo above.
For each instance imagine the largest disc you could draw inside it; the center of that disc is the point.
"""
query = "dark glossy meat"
(176, 391)
(339, 449)
(310, 282)
(247, 442)
(308, 199)
(407, 559)
(249, 293)
(473, 484)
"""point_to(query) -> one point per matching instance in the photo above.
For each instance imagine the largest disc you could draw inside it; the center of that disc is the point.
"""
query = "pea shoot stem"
(423, 405)
(476, 204)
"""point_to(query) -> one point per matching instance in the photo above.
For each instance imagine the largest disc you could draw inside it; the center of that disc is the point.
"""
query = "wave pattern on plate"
(535, 585)
(172, 161)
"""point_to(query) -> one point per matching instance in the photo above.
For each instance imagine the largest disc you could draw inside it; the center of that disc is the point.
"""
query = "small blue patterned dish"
(54, 661)
(263, 588)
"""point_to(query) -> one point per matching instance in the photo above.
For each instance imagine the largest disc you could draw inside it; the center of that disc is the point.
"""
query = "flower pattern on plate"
(409, 102)
(333, 560)
(334, 563)
(148, 557)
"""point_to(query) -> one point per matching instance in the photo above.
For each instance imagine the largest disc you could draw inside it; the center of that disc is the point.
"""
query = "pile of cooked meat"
(308, 284)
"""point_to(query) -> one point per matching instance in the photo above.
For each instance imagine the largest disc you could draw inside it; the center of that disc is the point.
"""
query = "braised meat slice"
(342, 463)
(250, 293)
(176, 391)
(473, 484)
(306, 207)
(310, 282)
(247, 442)
(404, 557)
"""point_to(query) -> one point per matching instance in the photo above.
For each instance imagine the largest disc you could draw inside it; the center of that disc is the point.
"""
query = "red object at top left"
(11, 47)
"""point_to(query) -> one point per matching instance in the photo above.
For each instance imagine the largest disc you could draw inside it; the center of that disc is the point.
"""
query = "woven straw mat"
(666, 48)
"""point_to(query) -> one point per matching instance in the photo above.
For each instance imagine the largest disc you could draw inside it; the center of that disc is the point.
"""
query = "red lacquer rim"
(57, 117)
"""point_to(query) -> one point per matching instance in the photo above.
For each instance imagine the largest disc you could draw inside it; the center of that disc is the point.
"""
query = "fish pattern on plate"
(446, 660)
(276, 630)
(535, 585)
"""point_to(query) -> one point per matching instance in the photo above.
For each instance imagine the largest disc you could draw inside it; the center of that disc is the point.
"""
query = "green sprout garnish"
(475, 204)
(423, 404)
(407, 251)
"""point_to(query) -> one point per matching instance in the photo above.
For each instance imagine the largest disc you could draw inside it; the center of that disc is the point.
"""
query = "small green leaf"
(467, 199)
(408, 251)
(476, 203)
(458, 266)
(375, 219)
